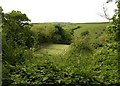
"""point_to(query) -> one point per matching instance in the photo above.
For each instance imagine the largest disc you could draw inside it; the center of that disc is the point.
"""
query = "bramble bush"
(46, 72)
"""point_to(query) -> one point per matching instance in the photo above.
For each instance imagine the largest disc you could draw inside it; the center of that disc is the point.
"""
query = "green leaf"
(45, 78)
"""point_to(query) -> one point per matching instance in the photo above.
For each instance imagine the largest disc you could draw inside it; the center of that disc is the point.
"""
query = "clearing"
(53, 49)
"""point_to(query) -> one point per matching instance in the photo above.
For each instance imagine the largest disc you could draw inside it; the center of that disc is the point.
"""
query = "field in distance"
(95, 30)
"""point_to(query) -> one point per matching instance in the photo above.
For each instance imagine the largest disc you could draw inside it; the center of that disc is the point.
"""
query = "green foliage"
(81, 43)
(15, 56)
(46, 72)
(106, 59)
(45, 69)
(85, 33)
(59, 32)
(16, 40)
(81, 65)
(52, 33)
(16, 28)
(106, 65)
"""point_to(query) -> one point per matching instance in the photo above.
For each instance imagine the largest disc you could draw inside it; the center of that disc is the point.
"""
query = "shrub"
(81, 43)
(105, 65)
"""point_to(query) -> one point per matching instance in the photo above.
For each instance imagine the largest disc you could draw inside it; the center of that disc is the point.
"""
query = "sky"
(75, 11)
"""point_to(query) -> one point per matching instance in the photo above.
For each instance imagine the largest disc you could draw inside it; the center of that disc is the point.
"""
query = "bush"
(105, 65)
(46, 73)
(81, 43)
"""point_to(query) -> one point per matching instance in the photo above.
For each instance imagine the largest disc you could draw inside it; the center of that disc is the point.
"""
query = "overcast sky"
(59, 10)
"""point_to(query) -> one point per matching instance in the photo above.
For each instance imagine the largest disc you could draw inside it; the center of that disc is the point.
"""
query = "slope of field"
(96, 30)
(92, 27)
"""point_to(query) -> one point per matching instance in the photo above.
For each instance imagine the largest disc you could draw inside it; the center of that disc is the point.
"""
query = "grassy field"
(94, 28)
(53, 49)
(54, 52)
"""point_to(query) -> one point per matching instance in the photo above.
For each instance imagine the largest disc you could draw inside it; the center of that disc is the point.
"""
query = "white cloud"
(58, 10)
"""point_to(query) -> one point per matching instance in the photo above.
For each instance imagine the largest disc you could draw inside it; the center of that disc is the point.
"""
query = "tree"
(16, 28)
(105, 13)
(58, 35)
(16, 37)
